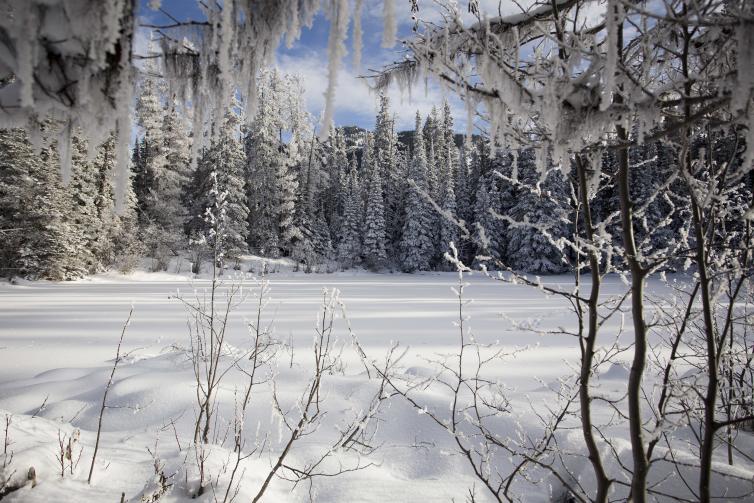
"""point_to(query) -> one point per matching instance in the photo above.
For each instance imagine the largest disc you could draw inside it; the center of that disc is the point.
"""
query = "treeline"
(358, 198)
(381, 199)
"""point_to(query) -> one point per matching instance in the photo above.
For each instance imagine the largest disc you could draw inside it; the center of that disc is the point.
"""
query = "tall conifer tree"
(417, 243)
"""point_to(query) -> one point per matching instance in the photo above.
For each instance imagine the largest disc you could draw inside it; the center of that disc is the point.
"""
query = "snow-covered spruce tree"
(274, 167)
(310, 156)
(264, 155)
(106, 246)
(442, 158)
(302, 250)
(321, 239)
(464, 208)
(441, 151)
(163, 171)
(537, 221)
(38, 240)
(82, 214)
(337, 172)
(172, 181)
(435, 192)
(417, 244)
(448, 151)
(366, 166)
(102, 237)
(384, 139)
(16, 164)
(315, 202)
(317, 237)
(223, 165)
(486, 235)
(138, 175)
(396, 223)
(430, 130)
(504, 167)
(449, 232)
(349, 239)
(373, 249)
(389, 160)
(300, 150)
(284, 208)
(154, 178)
(151, 153)
(229, 166)
(432, 184)
(53, 233)
(117, 242)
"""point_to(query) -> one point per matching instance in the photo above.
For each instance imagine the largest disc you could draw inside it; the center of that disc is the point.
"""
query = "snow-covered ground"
(57, 343)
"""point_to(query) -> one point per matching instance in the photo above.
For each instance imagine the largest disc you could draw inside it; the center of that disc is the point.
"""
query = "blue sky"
(355, 103)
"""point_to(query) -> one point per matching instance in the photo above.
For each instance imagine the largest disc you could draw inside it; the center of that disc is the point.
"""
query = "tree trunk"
(641, 465)
(638, 451)
(697, 213)
(710, 399)
(587, 357)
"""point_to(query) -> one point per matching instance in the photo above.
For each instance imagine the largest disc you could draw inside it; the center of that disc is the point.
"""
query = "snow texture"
(58, 342)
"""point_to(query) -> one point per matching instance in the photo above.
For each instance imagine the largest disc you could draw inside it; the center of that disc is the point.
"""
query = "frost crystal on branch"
(80, 80)
(85, 78)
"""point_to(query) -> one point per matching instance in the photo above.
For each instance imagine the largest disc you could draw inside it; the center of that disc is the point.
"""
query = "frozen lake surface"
(57, 343)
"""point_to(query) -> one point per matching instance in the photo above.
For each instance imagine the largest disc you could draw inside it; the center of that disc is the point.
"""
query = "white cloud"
(355, 103)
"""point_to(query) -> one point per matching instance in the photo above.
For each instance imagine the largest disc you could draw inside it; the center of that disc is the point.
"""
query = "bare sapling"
(256, 368)
(103, 406)
(256, 364)
(161, 482)
(673, 328)
(478, 403)
(7, 455)
(69, 452)
(239, 453)
(5, 478)
(210, 359)
(209, 314)
(591, 251)
(310, 411)
(309, 403)
(8, 481)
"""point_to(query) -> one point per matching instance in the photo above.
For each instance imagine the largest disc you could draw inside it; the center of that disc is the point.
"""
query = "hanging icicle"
(357, 34)
(294, 24)
(612, 23)
(336, 49)
(64, 152)
(123, 170)
(390, 28)
(745, 58)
